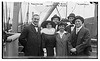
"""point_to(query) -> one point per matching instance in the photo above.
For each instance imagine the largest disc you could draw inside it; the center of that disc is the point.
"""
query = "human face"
(61, 28)
(78, 23)
(35, 20)
(49, 25)
(71, 19)
(56, 20)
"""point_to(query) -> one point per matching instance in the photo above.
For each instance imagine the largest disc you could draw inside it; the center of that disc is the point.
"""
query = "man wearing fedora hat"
(70, 27)
(56, 20)
(79, 41)
(71, 17)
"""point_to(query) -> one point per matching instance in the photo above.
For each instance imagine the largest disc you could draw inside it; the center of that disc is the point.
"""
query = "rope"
(58, 12)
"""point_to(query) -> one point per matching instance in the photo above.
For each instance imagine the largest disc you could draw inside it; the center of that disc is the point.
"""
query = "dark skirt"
(49, 42)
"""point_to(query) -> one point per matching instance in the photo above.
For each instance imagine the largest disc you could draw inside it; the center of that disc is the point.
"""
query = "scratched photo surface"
(47, 30)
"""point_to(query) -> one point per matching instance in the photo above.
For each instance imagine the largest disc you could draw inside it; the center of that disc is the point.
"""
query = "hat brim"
(43, 25)
(55, 17)
(61, 23)
(78, 17)
(71, 16)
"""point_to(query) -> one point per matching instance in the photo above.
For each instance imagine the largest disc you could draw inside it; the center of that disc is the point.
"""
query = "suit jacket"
(31, 40)
(83, 44)
(62, 45)
(68, 28)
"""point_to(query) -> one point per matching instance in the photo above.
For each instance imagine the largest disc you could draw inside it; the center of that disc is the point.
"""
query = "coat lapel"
(33, 29)
(61, 40)
(64, 37)
(37, 34)
(73, 34)
(80, 35)
(58, 36)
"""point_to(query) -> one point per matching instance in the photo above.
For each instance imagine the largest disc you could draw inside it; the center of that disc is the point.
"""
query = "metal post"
(6, 16)
(21, 17)
(58, 12)
(27, 14)
(95, 12)
(3, 15)
(96, 16)
(66, 10)
(15, 16)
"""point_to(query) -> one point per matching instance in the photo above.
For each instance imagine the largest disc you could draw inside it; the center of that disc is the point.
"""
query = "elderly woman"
(48, 37)
(62, 37)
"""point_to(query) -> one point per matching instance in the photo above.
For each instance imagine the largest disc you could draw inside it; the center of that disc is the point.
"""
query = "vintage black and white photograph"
(50, 30)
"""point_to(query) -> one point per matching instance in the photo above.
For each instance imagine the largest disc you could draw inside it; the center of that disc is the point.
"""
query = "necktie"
(36, 28)
(77, 31)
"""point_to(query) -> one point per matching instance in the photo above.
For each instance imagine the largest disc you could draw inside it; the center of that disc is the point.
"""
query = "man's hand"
(73, 50)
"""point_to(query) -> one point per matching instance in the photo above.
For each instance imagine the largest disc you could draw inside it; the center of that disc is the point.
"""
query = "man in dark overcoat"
(80, 41)
(30, 38)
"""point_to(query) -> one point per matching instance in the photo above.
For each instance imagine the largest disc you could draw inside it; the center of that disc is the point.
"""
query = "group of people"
(57, 36)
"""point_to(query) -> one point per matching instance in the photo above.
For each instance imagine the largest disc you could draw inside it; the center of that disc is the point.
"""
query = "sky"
(84, 9)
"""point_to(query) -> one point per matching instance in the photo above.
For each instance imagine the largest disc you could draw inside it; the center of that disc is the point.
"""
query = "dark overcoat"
(83, 42)
(31, 40)
(68, 29)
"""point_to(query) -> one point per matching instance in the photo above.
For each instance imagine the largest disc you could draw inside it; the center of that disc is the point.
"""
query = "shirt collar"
(60, 32)
(34, 25)
(79, 28)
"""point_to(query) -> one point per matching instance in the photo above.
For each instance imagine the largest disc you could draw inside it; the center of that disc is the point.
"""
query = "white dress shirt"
(78, 29)
(72, 27)
(36, 28)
